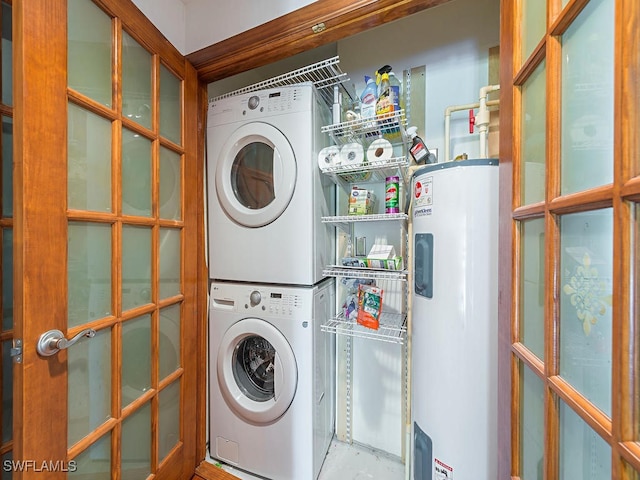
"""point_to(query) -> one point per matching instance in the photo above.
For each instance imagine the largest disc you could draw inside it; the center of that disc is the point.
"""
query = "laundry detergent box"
(361, 201)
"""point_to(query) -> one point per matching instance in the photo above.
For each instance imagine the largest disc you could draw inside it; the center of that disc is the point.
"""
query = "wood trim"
(507, 364)
(192, 239)
(208, 471)
(202, 342)
(292, 33)
(40, 198)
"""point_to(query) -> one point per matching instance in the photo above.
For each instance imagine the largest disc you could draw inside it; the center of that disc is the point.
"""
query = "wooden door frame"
(295, 33)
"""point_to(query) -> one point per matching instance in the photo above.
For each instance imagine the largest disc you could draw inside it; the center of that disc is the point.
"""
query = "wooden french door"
(106, 245)
(570, 188)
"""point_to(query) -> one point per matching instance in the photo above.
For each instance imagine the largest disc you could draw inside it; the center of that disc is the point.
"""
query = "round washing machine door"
(257, 371)
(255, 174)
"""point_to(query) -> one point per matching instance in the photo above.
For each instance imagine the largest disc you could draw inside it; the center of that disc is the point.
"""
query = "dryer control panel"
(259, 104)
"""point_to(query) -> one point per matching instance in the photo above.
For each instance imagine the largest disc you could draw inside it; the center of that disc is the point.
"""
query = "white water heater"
(455, 320)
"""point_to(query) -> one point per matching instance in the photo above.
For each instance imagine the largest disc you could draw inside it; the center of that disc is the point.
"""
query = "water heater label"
(441, 470)
(423, 197)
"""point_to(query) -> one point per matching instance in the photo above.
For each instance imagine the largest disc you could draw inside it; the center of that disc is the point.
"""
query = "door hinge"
(16, 351)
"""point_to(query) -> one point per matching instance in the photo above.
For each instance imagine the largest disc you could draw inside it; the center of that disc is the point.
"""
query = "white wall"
(194, 24)
(452, 41)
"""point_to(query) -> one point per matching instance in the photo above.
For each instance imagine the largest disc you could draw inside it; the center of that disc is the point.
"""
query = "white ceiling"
(194, 24)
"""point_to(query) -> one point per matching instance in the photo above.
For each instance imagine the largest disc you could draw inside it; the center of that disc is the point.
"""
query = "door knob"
(53, 341)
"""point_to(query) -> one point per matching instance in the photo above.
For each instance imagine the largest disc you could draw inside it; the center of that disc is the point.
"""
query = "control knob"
(253, 102)
(255, 298)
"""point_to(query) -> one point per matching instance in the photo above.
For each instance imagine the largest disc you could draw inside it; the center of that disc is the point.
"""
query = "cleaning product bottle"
(385, 98)
(379, 72)
(368, 98)
(396, 87)
(418, 149)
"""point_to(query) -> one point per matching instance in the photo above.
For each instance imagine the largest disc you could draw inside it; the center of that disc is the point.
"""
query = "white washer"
(266, 192)
(271, 386)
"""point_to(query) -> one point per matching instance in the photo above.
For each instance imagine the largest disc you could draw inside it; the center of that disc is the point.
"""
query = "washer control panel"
(283, 304)
(262, 300)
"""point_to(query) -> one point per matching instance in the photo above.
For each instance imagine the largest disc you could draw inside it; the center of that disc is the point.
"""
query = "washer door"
(256, 174)
(257, 371)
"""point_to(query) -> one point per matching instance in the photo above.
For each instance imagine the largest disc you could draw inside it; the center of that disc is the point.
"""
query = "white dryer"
(266, 192)
(271, 386)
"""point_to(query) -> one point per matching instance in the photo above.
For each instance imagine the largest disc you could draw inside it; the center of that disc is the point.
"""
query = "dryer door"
(255, 174)
(257, 371)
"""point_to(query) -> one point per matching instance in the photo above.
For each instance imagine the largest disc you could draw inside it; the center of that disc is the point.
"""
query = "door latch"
(16, 351)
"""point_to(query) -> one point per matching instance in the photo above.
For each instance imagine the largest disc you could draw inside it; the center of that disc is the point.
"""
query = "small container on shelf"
(392, 195)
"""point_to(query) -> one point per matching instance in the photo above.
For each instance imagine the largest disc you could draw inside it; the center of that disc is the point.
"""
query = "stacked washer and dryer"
(272, 371)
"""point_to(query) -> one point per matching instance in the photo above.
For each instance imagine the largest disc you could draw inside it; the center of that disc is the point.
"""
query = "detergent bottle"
(368, 98)
(396, 87)
(385, 98)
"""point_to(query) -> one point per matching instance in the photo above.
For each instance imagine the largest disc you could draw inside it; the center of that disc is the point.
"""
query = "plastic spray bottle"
(385, 99)
(395, 87)
(418, 149)
(368, 98)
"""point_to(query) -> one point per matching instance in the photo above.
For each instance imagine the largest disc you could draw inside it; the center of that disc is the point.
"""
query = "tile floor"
(350, 462)
(354, 462)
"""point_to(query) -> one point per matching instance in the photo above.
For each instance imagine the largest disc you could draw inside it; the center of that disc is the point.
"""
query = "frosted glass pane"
(169, 421)
(136, 81)
(89, 387)
(532, 287)
(169, 355)
(88, 272)
(170, 184)
(89, 50)
(7, 167)
(534, 139)
(7, 55)
(532, 424)
(170, 111)
(136, 358)
(586, 268)
(587, 99)
(7, 279)
(89, 160)
(583, 454)
(169, 262)
(136, 444)
(533, 26)
(136, 174)
(95, 461)
(136, 266)
(7, 392)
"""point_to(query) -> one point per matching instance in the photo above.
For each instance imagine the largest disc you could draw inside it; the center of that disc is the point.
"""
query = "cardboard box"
(361, 201)
(395, 263)
(382, 252)
(354, 261)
